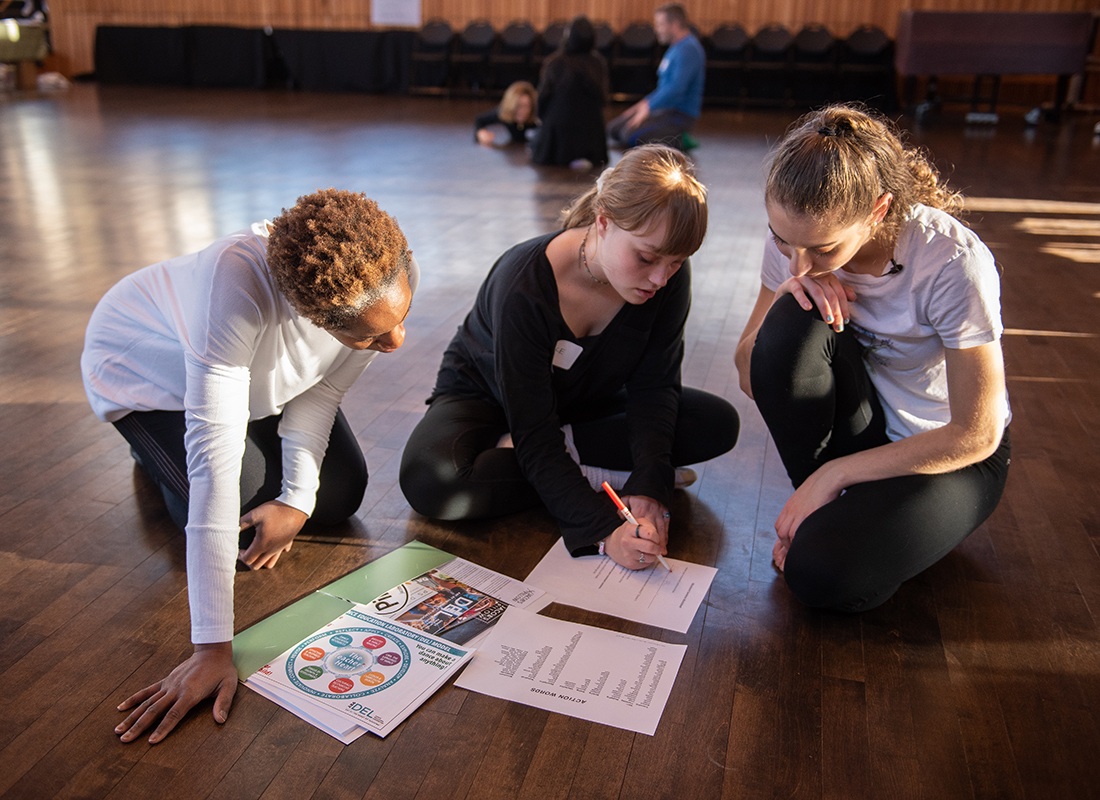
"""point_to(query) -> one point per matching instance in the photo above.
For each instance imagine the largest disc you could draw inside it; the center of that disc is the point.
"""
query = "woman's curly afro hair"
(334, 253)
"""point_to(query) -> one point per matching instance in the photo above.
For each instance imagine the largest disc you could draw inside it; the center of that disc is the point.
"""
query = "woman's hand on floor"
(209, 671)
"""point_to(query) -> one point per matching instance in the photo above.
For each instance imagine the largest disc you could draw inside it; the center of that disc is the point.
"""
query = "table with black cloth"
(355, 61)
(313, 60)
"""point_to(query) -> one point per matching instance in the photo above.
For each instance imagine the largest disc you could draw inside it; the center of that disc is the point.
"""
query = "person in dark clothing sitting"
(566, 372)
(573, 90)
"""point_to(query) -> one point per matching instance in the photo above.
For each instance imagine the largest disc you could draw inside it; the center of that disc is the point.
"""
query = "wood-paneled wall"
(73, 22)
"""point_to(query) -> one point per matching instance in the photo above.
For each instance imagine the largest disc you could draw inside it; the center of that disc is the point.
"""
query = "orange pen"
(619, 504)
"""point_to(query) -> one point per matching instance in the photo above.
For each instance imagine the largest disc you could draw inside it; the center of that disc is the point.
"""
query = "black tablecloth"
(313, 60)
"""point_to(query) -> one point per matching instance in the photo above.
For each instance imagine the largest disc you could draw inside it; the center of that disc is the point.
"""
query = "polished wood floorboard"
(980, 678)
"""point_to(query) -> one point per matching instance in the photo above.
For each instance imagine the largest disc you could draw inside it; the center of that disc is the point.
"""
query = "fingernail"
(154, 738)
(829, 318)
(119, 728)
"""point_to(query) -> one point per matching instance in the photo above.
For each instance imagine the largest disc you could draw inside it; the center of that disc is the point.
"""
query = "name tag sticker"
(566, 353)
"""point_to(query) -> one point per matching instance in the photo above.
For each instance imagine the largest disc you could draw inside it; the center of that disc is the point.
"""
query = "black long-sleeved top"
(503, 352)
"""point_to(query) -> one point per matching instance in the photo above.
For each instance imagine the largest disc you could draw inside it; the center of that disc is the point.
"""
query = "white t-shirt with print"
(946, 295)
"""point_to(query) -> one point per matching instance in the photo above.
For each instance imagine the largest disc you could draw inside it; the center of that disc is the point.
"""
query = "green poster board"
(267, 639)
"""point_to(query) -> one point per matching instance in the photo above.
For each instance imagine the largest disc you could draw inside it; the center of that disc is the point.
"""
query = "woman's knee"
(415, 479)
(832, 593)
(429, 483)
(788, 342)
(818, 588)
(725, 426)
(829, 578)
(707, 422)
(789, 325)
(341, 492)
(441, 487)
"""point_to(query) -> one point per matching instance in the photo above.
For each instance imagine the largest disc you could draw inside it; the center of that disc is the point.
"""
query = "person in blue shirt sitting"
(667, 114)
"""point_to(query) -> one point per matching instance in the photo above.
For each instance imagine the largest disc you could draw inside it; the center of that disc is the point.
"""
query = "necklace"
(584, 260)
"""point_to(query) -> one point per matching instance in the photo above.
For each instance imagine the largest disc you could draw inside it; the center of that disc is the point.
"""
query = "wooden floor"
(980, 678)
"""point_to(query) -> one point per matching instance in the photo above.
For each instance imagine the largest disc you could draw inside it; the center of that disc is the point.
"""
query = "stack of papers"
(364, 652)
(349, 659)
(358, 673)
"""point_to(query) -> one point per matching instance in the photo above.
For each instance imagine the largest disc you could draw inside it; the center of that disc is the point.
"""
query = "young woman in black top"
(571, 356)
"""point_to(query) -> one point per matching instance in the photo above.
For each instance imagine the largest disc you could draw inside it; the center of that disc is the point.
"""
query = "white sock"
(597, 475)
(570, 445)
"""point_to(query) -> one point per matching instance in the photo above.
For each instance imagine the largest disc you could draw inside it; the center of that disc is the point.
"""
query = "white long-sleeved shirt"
(210, 334)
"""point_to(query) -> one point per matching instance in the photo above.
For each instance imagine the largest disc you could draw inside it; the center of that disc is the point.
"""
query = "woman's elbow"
(980, 441)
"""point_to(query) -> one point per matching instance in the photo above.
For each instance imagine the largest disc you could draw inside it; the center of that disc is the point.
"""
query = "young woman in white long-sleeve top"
(224, 370)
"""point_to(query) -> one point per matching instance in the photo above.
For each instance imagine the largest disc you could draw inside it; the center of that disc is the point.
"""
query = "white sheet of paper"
(591, 673)
(653, 596)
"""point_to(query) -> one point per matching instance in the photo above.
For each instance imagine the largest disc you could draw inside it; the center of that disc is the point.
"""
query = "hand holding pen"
(642, 556)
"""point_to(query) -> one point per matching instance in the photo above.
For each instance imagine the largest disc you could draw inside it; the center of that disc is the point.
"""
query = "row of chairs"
(773, 67)
(777, 66)
(478, 60)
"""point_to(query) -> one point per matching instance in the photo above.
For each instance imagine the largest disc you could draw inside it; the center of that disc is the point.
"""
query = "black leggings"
(453, 469)
(852, 554)
(156, 439)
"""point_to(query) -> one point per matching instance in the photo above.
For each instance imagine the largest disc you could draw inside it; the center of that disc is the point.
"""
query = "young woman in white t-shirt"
(873, 353)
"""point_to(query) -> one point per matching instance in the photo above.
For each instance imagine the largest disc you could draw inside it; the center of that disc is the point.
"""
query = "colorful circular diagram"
(347, 663)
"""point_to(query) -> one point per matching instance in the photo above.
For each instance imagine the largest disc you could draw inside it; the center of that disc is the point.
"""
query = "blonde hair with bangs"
(507, 108)
(650, 184)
